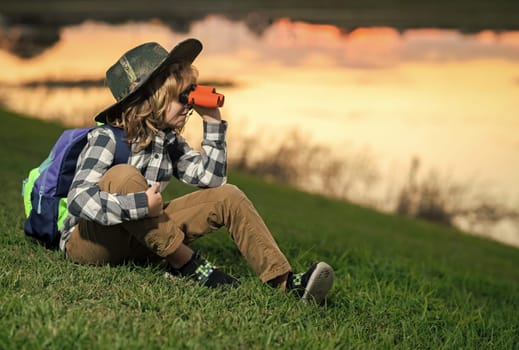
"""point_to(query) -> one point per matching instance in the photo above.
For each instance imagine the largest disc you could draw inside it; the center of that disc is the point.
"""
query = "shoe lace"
(203, 272)
(297, 280)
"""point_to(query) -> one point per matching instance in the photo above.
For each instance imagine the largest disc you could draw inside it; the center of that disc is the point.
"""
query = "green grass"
(400, 283)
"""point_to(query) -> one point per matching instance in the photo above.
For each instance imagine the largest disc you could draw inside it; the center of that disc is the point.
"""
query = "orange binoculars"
(203, 96)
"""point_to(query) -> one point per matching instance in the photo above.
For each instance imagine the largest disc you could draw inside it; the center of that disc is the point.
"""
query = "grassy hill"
(399, 282)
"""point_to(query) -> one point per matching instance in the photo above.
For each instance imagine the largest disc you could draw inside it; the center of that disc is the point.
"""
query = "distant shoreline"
(96, 83)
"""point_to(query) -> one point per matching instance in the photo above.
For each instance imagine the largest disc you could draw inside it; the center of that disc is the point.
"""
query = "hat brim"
(185, 51)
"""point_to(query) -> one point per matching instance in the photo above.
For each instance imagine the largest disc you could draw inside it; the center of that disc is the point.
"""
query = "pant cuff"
(270, 275)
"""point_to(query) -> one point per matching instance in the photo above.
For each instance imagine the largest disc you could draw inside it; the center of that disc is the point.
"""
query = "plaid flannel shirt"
(168, 155)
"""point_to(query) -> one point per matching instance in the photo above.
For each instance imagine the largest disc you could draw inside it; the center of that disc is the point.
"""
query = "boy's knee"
(231, 192)
(123, 178)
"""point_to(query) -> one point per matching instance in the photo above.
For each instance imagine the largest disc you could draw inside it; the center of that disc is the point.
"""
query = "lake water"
(447, 98)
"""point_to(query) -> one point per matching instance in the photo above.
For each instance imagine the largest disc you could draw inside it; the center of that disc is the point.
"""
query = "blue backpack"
(46, 188)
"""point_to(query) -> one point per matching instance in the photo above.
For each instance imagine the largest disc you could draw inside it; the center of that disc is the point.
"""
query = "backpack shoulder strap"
(122, 147)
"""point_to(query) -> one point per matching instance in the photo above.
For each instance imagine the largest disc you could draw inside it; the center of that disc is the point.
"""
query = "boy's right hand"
(154, 200)
(210, 115)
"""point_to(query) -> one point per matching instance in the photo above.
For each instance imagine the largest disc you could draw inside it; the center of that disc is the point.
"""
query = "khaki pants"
(183, 220)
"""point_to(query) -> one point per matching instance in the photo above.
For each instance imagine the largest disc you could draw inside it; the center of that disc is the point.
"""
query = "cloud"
(233, 46)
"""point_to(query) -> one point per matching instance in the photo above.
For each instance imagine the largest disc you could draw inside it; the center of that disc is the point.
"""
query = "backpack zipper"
(24, 183)
(43, 167)
(39, 202)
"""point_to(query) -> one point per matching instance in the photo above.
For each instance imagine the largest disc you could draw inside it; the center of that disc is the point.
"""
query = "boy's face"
(176, 114)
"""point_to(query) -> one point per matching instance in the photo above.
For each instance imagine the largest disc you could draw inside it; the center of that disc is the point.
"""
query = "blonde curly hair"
(144, 115)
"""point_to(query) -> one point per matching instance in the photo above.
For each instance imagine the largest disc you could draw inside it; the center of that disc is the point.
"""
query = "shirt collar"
(169, 136)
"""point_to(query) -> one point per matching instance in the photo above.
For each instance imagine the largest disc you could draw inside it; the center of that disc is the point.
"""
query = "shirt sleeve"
(86, 200)
(202, 169)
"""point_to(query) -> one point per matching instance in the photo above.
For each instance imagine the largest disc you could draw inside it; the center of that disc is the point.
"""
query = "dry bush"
(298, 162)
(315, 168)
(440, 199)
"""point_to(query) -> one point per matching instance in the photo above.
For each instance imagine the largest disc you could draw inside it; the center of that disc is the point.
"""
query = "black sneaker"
(207, 274)
(314, 284)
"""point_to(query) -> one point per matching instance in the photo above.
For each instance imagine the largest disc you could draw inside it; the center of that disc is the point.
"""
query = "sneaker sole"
(319, 283)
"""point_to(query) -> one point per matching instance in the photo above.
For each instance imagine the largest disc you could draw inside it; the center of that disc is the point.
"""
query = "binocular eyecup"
(201, 95)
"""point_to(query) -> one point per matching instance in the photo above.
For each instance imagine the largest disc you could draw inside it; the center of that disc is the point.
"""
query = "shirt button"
(156, 156)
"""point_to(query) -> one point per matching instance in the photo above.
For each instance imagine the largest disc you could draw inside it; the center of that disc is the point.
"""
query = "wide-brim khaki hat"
(140, 64)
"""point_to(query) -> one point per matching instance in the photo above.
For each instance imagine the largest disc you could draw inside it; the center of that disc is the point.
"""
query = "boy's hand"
(210, 115)
(154, 200)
